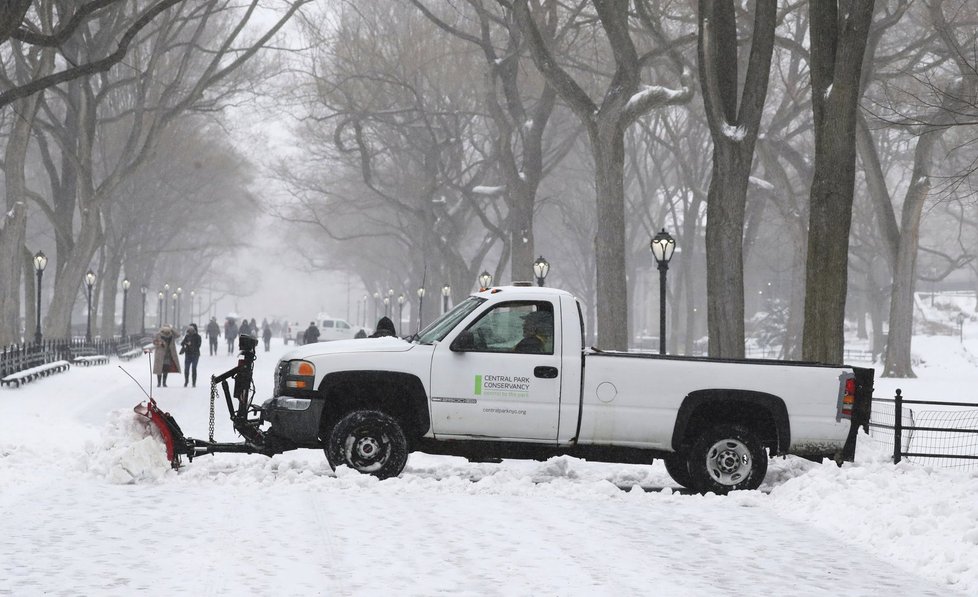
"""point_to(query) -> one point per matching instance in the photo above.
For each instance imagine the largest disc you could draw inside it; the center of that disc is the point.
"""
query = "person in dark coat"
(311, 334)
(213, 333)
(245, 327)
(230, 333)
(165, 357)
(385, 327)
(537, 332)
(266, 335)
(190, 347)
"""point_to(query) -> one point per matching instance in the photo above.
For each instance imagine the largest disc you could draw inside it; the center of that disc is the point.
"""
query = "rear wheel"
(678, 469)
(727, 458)
(370, 442)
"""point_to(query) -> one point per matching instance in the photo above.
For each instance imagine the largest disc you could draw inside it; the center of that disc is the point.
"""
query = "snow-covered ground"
(89, 507)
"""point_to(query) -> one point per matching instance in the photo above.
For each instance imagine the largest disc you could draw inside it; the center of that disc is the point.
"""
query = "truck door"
(500, 377)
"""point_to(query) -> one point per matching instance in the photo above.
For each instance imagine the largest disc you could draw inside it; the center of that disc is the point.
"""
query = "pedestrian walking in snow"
(190, 348)
(266, 335)
(230, 333)
(165, 357)
(213, 333)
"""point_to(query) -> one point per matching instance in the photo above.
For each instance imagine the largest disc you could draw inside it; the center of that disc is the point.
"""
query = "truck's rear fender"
(400, 395)
(765, 414)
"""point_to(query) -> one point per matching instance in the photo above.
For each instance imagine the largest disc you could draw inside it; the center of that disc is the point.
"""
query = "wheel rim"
(729, 462)
(367, 448)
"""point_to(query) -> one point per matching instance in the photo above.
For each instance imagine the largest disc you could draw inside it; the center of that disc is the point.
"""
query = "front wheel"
(727, 458)
(368, 441)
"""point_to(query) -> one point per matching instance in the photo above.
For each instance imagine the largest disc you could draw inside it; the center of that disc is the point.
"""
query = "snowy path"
(236, 524)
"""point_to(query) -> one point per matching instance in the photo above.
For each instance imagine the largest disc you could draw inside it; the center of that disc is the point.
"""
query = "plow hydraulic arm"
(256, 441)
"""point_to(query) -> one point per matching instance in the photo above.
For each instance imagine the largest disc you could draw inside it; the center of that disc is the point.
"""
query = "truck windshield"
(440, 327)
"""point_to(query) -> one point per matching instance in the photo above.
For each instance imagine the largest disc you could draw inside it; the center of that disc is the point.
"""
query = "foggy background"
(296, 158)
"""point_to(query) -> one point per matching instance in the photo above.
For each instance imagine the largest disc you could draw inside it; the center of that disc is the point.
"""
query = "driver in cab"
(537, 333)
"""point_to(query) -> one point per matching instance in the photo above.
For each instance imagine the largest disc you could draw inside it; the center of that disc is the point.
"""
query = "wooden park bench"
(86, 356)
(128, 351)
(36, 372)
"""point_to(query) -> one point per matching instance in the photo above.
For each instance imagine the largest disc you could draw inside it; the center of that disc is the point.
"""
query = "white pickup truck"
(505, 374)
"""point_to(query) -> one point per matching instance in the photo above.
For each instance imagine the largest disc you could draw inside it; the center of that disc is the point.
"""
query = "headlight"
(294, 403)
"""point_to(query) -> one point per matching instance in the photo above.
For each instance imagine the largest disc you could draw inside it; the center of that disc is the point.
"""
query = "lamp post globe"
(485, 280)
(89, 282)
(541, 267)
(663, 246)
(125, 295)
(40, 262)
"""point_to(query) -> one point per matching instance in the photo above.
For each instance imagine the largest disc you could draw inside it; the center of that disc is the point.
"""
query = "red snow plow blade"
(167, 425)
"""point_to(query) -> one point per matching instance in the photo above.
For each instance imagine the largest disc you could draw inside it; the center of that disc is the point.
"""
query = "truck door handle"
(545, 372)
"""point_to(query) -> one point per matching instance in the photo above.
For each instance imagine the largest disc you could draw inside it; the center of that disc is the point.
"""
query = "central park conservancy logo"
(503, 386)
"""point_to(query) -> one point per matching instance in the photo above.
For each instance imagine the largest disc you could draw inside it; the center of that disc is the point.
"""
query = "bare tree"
(624, 100)
(520, 121)
(182, 66)
(932, 119)
(734, 118)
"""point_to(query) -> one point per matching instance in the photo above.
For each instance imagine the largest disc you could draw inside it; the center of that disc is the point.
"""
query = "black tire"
(368, 441)
(726, 458)
(678, 469)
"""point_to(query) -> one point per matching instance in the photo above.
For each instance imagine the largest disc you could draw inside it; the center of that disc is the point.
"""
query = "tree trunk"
(608, 152)
(837, 50)
(724, 252)
(13, 227)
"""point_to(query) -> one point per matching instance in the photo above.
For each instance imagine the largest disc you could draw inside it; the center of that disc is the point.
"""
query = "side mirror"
(464, 342)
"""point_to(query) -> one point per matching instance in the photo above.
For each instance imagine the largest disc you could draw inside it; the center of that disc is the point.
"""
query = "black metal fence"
(946, 437)
(21, 357)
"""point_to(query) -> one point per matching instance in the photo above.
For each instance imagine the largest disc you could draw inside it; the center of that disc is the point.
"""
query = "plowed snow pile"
(131, 451)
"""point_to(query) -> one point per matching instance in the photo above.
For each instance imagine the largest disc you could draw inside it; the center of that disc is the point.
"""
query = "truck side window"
(520, 327)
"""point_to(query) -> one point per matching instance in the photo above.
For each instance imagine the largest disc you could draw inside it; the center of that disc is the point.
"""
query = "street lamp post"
(89, 281)
(387, 305)
(400, 315)
(485, 280)
(166, 294)
(376, 305)
(40, 262)
(174, 297)
(142, 320)
(662, 246)
(961, 327)
(176, 309)
(193, 295)
(159, 311)
(541, 267)
(125, 294)
(446, 291)
(420, 304)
